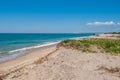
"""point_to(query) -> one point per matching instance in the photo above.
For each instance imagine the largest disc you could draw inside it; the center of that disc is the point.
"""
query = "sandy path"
(67, 64)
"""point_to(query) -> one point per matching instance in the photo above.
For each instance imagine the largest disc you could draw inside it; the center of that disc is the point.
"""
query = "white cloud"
(109, 23)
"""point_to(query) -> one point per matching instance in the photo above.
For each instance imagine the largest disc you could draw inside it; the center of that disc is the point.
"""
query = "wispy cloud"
(109, 23)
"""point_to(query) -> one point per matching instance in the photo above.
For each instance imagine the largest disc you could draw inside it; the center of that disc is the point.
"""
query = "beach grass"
(93, 45)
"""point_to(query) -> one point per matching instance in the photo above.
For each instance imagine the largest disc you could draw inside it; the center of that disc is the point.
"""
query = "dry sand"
(67, 64)
(63, 64)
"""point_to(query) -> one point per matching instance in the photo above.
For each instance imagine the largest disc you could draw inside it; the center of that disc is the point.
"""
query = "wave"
(20, 52)
(38, 46)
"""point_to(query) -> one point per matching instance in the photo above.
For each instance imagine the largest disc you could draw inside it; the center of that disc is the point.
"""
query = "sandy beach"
(51, 63)
(19, 62)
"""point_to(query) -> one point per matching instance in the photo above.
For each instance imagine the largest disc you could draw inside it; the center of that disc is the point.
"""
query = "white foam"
(33, 47)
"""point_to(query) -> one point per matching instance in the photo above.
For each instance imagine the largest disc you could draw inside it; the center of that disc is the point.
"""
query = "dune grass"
(93, 45)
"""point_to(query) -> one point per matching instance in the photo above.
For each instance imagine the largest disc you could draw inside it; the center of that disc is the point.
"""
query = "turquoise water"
(13, 41)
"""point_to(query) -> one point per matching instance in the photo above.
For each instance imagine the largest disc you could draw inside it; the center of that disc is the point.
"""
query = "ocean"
(14, 44)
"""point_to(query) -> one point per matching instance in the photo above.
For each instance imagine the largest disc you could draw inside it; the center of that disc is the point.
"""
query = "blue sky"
(59, 16)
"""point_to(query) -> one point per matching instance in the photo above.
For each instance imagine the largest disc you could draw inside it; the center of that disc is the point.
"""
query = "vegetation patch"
(93, 45)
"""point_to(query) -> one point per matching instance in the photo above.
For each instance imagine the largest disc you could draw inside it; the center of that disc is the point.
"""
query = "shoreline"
(22, 51)
(28, 58)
